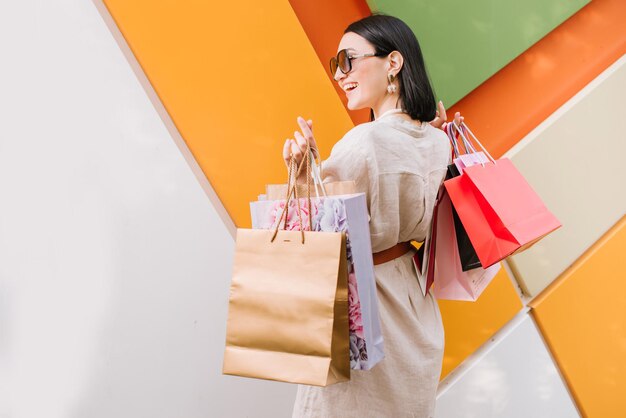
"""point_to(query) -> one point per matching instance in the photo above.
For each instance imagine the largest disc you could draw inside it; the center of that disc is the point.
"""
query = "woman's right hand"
(296, 146)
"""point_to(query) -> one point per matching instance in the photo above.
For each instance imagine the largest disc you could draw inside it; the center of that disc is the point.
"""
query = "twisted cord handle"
(292, 189)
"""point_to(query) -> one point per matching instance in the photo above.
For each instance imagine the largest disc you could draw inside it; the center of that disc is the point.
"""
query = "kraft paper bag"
(288, 308)
(452, 282)
(347, 213)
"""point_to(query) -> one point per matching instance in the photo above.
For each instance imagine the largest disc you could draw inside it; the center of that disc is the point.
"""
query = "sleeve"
(357, 162)
(347, 163)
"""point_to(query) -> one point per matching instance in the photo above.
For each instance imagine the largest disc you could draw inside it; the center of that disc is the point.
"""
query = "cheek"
(373, 83)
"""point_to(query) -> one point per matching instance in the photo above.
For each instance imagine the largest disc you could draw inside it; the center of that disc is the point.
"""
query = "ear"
(395, 62)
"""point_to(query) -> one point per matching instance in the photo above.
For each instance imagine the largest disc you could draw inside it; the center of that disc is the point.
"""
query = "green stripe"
(466, 42)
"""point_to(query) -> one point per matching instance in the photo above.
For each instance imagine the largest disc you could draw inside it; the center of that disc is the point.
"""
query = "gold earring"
(391, 88)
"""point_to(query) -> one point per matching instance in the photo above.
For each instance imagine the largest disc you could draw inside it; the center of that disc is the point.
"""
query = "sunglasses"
(343, 61)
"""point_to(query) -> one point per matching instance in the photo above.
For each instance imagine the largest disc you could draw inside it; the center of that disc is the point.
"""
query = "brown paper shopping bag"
(288, 308)
(288, 305)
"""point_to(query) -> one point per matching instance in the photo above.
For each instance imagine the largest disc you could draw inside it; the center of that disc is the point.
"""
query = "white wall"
(512, 376)
(114, 263)
(581, 187)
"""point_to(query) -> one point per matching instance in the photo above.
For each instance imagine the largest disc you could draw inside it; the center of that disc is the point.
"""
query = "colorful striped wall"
(140, 130)
(540, 82)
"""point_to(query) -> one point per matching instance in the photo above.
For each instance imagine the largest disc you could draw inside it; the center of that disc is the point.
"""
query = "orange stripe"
(324, 22)
(515, 100)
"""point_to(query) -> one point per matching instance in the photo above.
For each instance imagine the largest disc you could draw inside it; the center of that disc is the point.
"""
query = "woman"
(399, 160)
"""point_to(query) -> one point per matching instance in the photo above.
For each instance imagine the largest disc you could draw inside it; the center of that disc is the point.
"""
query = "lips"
(347, 87)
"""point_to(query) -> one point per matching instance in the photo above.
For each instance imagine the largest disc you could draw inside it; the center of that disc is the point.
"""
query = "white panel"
(574, 160)
(114, 264)
(514, 378)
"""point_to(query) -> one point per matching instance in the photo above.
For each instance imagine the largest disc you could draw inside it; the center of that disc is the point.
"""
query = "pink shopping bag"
(451, 282)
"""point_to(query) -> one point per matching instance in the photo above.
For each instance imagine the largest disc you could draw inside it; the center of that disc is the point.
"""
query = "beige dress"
(400, 165)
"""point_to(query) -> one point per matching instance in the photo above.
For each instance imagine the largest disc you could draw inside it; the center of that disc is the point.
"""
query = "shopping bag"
(452, 282)
(424, 258)
(288, 308)
(344, 213)
(466, 252)
(288, 305)
(347, 213)
(500, 211)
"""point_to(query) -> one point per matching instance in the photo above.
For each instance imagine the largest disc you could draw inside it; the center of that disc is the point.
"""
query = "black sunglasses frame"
(336, 62)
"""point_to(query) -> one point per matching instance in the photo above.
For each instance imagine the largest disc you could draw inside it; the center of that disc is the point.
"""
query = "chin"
(354, 105)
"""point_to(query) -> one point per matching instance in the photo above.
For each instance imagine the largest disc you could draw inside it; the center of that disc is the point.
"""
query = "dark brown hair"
(388, 34)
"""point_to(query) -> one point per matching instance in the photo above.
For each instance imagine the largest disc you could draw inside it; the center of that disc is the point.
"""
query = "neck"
(388, 103)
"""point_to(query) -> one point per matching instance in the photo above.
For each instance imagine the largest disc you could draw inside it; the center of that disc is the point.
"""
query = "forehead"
(356, 42)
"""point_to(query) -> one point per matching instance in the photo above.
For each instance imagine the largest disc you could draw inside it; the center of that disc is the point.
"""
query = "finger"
(306, 130)
(296, 152)
(458, 119)
(287, 151)
(316, 153)
(436, 123)
(300, 140)
(442, 111)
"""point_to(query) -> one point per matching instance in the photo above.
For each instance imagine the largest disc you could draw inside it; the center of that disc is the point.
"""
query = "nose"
(338, 73)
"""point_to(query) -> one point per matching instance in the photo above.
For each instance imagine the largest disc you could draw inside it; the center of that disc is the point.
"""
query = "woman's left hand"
(441, 118)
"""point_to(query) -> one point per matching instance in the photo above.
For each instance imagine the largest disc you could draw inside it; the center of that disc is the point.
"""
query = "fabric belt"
(392, 253)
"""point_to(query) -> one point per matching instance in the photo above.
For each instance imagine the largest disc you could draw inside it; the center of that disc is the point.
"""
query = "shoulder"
(365, 136)
(379, 139)
(354, 140)
(360, 132)
(400, 135)
(441, 143)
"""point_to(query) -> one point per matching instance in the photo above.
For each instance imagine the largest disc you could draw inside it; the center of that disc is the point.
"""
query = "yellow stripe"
(233, 76)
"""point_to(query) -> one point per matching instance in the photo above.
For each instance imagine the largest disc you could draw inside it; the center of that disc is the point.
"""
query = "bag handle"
(292, 189)
(453, 140)
(468, 147)
(464, 128)
(317, 174)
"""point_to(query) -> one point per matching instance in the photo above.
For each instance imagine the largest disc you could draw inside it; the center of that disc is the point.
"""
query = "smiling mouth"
(351, 86)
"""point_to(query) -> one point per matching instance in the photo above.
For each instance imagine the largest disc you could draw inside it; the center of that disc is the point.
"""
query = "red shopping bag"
(500, 211)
